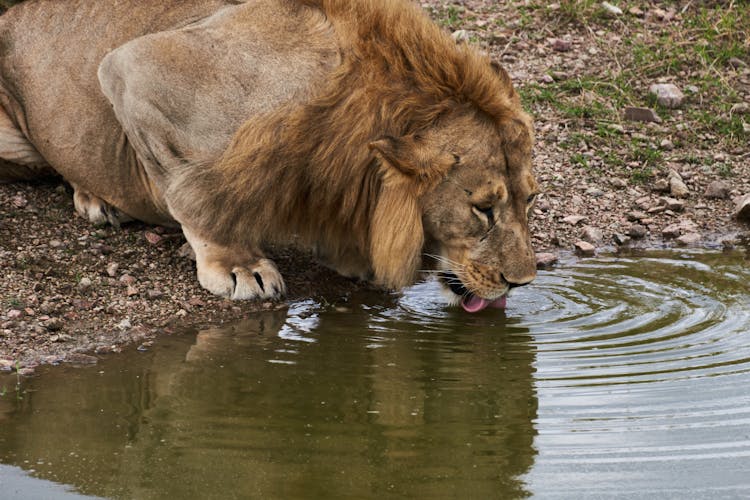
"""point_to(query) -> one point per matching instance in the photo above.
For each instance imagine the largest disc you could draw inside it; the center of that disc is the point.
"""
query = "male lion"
(355, 127)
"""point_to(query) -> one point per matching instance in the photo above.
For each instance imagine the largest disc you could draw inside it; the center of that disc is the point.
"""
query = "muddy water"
(627, 376)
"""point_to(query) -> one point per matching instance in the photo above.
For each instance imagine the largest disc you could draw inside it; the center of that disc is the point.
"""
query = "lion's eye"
(484, 213)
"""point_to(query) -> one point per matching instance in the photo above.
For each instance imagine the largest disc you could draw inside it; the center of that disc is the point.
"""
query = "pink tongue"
(475, 304)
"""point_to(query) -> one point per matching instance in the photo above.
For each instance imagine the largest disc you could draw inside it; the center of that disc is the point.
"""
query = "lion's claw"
(261, 281)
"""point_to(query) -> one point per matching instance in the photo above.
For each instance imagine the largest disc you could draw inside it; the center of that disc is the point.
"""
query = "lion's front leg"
(235, 273)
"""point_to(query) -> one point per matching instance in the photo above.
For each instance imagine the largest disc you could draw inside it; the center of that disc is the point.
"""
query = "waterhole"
(619, 376)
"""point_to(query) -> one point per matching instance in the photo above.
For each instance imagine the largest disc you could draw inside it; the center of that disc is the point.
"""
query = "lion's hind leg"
(96, 210)
(19, 159)
(235, 274)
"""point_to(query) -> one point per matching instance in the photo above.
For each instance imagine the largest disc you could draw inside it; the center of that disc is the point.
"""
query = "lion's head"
(472, 187)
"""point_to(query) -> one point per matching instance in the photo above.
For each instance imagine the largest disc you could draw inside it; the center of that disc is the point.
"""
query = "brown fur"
(308, 169)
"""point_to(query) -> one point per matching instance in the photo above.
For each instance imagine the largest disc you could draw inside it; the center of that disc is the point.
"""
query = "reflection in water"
(348, 403)
(619, 376)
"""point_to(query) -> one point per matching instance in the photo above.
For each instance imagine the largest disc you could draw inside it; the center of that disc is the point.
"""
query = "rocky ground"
(619, 166)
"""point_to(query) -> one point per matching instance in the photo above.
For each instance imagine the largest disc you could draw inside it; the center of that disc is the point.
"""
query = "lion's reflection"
(352, 410)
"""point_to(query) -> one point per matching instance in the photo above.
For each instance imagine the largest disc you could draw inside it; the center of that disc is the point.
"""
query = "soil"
(70, 291)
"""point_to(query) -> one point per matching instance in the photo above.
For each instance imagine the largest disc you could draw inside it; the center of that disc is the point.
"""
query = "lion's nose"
(518, 282)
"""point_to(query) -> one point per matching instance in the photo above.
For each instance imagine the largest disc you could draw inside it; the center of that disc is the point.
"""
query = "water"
(608, 377)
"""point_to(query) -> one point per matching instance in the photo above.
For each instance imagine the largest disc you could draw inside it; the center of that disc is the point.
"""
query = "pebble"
(742, 208)
(661, 185)
(112, 268)
(741, 108)
(676, 186)
(592, 234)
(573, 219)
(621, 239)
(14, 314)
(561, 45)
(53, 324)
(636, 114)
(127, 279)
(84, 284)
(667, 95)
(717, 190)
(584, 249)
(6, 365)
(672, 231)
(673, 204)
(612, 9)
(636, 215)
(689, 239)
(545, 259)
(124, 324)
(637, 231)
(460, 36)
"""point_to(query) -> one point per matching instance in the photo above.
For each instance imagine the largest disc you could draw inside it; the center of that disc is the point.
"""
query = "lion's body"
(335, 122)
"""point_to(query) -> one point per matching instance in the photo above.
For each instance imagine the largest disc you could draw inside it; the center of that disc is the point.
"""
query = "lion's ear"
(412, 156)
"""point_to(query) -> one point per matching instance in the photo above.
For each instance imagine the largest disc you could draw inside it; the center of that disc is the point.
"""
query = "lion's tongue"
(474, 304)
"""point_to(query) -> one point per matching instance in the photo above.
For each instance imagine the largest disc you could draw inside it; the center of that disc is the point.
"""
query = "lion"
(356, 128)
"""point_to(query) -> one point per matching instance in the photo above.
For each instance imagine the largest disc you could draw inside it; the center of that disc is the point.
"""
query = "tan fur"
(371, 143)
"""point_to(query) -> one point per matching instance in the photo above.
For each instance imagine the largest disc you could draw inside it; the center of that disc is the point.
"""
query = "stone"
(152, 238)
(124, 324)
(689, 239)
(112, 268)
(14, 314)
(667, 94)
(618, 183)
(635, 11)
(6, 365)
(573, 219)
(127, 279)
(84, 284)
(666, 145)
(460, 36)
(661, 185)
(717, 190)
(611, 9)
(742, 208)
(621, 239)
(676, 186)
(545, 260)
(592, 234)
(741, 108)
(637, 231)
(546, 79)
(673, 204)
(561, 45)
(672, 231)
(53, 324)
(636, 114)
(636, 215)
(584, 249)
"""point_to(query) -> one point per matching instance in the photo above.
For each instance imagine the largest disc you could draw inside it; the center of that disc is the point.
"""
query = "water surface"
(614, 376)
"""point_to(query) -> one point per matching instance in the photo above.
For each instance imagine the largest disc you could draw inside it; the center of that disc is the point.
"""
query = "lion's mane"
(305, 169)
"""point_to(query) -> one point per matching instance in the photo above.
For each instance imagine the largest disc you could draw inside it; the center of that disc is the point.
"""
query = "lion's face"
(476, 219)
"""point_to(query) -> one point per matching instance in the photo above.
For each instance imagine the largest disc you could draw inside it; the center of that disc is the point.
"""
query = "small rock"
(546, 79)
(14, 314)
(718, 190)
(689, 239)
(152, 238)
(657, 209)
(573, 219)
(741, 108)
(618, 183)
(612, 9)
(6, 365)
(673, 204)
(637, 231)
(544, 260)
(460, 36)
(676, 186)
(84, 284)
(742, 208)
(661, 185)
(641, 115)
(131, 290)
(26, 371)
(154, 294)
(127, 279)
(621, 239)
(53, 324)
(672, 231)
(186, 251)
(19, 201)
(667, 95)
(585, 249)
(56, 244)
(636, 215)
(561, 45)
(635, 11)
(592, 234)
(666, 145)
(112, 268)
(124, 324)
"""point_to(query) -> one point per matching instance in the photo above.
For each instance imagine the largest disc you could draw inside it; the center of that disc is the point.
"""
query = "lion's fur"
(305, 170)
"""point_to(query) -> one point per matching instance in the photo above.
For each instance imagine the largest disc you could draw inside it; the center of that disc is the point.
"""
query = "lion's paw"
(260, 280)
(96, 210)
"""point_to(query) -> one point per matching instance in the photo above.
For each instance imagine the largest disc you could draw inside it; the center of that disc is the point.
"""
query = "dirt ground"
(70, 292)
